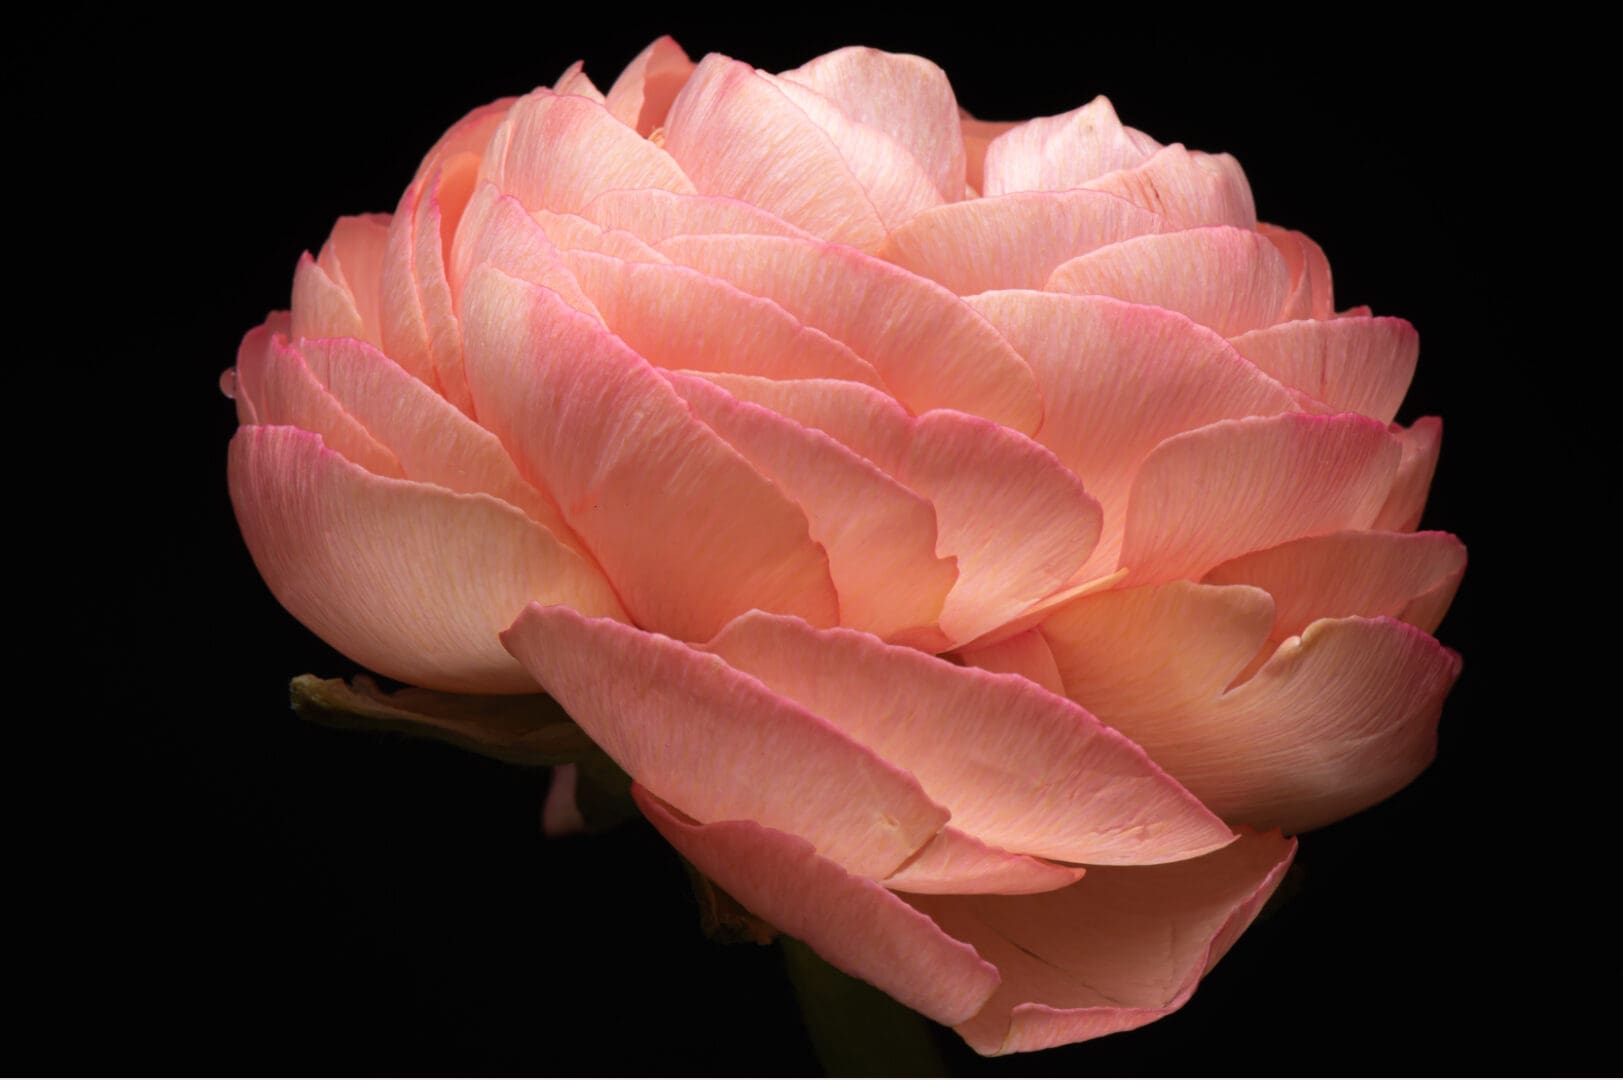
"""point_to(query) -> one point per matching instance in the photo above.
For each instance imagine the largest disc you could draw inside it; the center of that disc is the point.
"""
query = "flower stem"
(856, 1029)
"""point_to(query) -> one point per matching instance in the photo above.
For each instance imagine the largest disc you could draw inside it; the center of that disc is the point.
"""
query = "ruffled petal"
(1053, 153)
(682, 722)
(410, 580)
(1117, 950)
(497, 231)
(858, 926)
(1360, 365)
(286, 393)
(688, 531)
(1018, 767)
(1232, 280)
(1186, 189)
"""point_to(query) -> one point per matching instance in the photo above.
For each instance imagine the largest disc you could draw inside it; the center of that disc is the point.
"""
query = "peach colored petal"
(906, 97)
(659, 215)
(1120, 948)
(1053, 153)
(1409, 576)
(594, 425)
(497, 231)
(955, 862)
(681, 319)
(643, 93)
(1312, 294)
(1334, 722)
(978, 134)
(1120, 378)
(410, 580)
(880, 537)
(575, 81)
(1019, 767)
(682, 722)
(322, 306)
(1186, 189)
(556, 151)
(1229, 279)
(353, 257)
(469, 135)
(864, 419)
(1026, 653)
(240, 383)
(1358, 365)
(432, 441)
(1013, 241)
(738, 135)
(932, 351)
(854, 924)
(286, 394)
(1140, 658)
(1018, 522)
(572, 232)
(1206, 496)
(1422, 442)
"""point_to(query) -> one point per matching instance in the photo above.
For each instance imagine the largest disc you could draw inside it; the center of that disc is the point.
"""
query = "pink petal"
(932, 351)
(1336, 721)
(978, 134)
(1141, 658)
(240, 382)
(574, 80)
(867, 420)
(1120, 378)
(497, 231)
(1026, 653)
(1422, 442)
(469, 135)
(1409, 576)
(285, 393)
(322, 306)
(1186, 189)
(1231, 280)
(643, 93)
(410, 580)
(1119, 949)
(556, 151)
(687, 530)
(655, 216)
(1012, 241)
(906, 97)
(353, 257)
(1018, 522)
(431, 441)
(572, 232)
(854, 924)
(1358, 365)
(1235, 486)
(682, 722)
(1053, 153)
(880, 537)
(955, 862)
(1312, 295)
(1019, 767)
(681, 319)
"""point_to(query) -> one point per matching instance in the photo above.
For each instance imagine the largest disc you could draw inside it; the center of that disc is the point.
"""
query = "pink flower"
(980, 542)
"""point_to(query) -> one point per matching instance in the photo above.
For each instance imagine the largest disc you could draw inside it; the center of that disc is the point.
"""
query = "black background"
(223, 888)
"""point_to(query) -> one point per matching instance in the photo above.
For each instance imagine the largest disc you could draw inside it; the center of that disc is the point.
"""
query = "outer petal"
(1017, 766)
(353, 257)
(322, 305)
(284, 392)
(880, 537)
(932, 351)
(410, 580)
(955, 862)
(688, 531)
(574, 80)
(1358, 365)
(738, 135)
(1311, 290)
(1232, 280)
(1422, 442)
(906, 97)
(469, 135)
(1187, 189)
(643, 93)
(1013, 241)
(854, 924)
(1122, 947)
(681, 721)
(556, 151)
(1053, 153)
(1235, 486)
(1409, 576)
